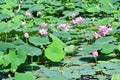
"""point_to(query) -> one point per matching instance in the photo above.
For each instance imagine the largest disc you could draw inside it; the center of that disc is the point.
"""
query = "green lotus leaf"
(29, 50)
(54, 51)
(39, 40)
(24, 76)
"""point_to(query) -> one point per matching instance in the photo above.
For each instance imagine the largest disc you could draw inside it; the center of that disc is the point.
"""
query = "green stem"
(5, 37)
(96, 60)
(38, 59)
(27, 41)
(42, 47)
(18, 8)
(5, 42)
(32, 67)
(110, 4)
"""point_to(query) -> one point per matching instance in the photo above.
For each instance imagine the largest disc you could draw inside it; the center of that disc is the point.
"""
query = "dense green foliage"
(54, 39)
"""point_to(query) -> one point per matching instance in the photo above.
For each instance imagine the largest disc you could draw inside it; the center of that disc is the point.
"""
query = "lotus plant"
(63, 26)
(73, 15)
(38, 13)
(96, 35)
(23, 23)
(95, 55)
(43, 24)
(102, 31)
(43, 32)
(78, 20)
(28, 14)
(26, 35)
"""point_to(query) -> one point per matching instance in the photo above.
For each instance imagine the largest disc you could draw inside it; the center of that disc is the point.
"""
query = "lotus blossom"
(96, 35)
(103, 30)
(78, 20)
(73, 15)
(38, 13)
(94, 53)
(43, 31)
(43, 24)
(28, 14)
(63, 26)
(74, 22)
(26, 35)
(23, 23)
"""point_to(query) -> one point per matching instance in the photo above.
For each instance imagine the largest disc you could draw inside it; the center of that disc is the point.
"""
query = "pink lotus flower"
(74, 22)
(96, 35)
(26, 35)
(78, 20)
(38, 13)
(23, 23)
(103, 30)
(73, 15)
(43, 32)
(28, 14)
(63, 26)
(95, 53)
(43, 24)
